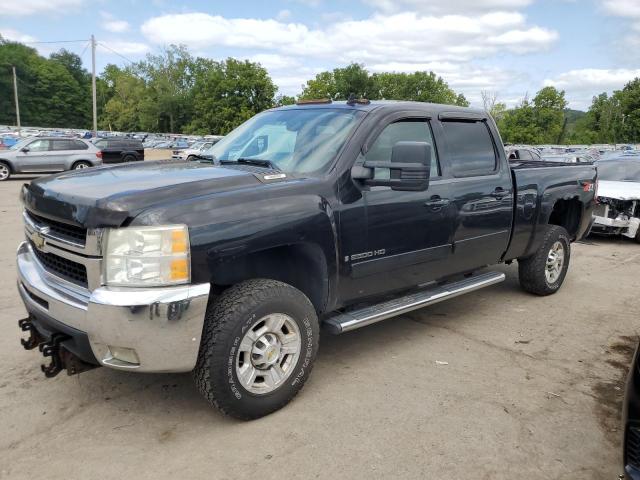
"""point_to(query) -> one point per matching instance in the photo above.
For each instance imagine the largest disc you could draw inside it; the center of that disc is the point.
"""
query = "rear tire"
(129, 158)
(637, 237)
(81, 165)
(544, 272)
(258, 346)
(190, 158)
(5, 171)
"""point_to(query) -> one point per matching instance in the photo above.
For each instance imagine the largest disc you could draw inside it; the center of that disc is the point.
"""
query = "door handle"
(436, 202)
(499, 193)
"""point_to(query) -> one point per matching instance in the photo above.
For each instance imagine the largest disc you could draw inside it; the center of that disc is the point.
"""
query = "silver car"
(48, 155)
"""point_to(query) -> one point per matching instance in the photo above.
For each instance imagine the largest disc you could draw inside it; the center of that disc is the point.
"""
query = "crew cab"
(334, 214)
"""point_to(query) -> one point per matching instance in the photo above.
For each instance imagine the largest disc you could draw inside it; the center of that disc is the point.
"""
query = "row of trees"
(546, 119)
(177, 92)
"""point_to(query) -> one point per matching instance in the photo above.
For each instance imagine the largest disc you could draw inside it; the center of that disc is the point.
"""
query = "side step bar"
(347, 321)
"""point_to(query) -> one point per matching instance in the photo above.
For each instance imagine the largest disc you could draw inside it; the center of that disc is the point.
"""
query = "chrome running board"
(347, 321)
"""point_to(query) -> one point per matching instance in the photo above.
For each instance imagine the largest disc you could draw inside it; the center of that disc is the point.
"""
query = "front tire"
(5, 172)
(543, 273)
(258, 347)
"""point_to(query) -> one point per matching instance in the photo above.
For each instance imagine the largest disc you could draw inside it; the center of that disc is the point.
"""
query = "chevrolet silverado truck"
(317, 214)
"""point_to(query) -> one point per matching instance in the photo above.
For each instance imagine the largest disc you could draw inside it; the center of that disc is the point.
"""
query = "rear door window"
(471, 149)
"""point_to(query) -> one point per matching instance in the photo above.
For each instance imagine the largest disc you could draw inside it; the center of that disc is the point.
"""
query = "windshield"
(296, 140)
(619, 171)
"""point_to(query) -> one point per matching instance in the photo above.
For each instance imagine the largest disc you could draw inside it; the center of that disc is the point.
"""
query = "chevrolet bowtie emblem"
(38, 240)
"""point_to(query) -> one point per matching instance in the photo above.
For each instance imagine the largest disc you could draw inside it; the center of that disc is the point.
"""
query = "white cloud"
(400, 37)
(16, 36)
(622, 8)
(112, 24)
(447, 6)
(29, 7)
(272, 61)
(582, 84)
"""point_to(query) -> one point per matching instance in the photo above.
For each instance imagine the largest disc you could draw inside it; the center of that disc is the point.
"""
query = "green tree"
(518, 125)
(548, 111)
(228, 93)
(50, 93)
(629, 100)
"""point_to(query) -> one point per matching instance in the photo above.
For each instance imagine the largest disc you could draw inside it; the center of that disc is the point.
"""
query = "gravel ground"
(532, 389)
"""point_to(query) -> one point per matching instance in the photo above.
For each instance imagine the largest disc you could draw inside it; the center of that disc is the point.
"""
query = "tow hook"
(61, 358)
(52, 349)
(34, 339)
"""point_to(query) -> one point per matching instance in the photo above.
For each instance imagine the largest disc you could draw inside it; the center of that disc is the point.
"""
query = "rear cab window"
(471, 148)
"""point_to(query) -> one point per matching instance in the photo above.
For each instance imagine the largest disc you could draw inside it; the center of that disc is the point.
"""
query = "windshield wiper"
(260, 162)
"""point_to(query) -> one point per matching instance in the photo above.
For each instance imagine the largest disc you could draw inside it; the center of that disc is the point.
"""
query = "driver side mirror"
(410, 168)
(24, 149)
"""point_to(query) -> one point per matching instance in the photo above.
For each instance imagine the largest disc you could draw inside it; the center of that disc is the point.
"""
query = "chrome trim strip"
(348, 321)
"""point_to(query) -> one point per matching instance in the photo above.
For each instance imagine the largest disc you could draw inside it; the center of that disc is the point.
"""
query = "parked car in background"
(618, 209)
(523, 153)
(48, 155)
(631, 420)
(194, 150)
(120, 149)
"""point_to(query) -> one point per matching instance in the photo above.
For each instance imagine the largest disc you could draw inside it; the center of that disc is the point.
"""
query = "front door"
(394, 239)
(35, 158)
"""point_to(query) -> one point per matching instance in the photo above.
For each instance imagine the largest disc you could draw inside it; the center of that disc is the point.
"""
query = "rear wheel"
(81, 165)
(5, 172)
(190, 158)
(258, 347)
(129, 158)
(543, 273)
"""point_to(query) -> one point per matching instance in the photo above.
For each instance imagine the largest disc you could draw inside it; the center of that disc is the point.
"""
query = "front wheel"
(81, 165)
(5, 172)
(259, 343)
(543, 273)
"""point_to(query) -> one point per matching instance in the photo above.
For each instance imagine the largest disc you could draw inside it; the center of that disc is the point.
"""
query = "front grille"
(633, 447)
(59, 229)
(62, 267)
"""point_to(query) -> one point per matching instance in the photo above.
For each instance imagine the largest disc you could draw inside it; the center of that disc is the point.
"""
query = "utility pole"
(93, 86)
(15, 96)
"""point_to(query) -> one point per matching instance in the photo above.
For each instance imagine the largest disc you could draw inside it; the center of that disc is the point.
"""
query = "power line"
(56, 41)
(112, 50)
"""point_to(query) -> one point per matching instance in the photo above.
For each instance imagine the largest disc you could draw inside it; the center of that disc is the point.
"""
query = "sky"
(510, 48)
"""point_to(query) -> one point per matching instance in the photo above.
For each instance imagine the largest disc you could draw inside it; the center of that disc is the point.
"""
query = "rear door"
(34, 159)
(60, 151)
(481, 191)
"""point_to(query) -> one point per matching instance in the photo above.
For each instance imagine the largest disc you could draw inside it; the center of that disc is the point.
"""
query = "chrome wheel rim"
(81, 166)
(4, 172)
(268, 353)
(555, 262)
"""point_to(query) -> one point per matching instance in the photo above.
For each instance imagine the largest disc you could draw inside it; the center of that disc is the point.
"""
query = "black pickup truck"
(334, 214)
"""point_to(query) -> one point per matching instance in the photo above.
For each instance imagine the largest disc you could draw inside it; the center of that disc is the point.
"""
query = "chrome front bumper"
(162, 325)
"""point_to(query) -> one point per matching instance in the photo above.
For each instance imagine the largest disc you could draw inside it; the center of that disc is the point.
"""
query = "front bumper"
(162, 325)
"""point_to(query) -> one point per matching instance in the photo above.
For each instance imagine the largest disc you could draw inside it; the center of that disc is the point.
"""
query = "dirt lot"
(532, 390)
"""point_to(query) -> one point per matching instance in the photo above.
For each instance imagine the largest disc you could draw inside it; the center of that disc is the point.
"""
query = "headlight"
(147, 256)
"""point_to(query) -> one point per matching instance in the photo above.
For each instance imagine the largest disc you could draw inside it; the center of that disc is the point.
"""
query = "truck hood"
(107, 196)
(619, 190)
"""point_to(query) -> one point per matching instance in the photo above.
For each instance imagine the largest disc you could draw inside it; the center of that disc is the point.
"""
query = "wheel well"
(567, 214)
(302, 266)
(80, 161)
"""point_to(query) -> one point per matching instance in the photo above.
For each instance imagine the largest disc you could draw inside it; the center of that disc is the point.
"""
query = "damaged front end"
(617, 217)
